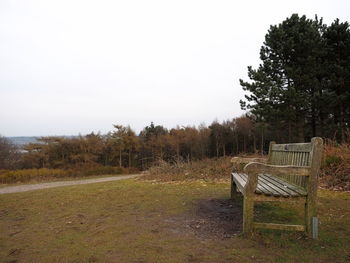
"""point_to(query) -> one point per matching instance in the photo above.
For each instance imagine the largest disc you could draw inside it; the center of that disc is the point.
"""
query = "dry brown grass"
(216, 169)
(335, 170)
(207, 169)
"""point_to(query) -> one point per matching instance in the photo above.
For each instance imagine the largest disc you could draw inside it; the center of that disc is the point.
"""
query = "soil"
(212, 219)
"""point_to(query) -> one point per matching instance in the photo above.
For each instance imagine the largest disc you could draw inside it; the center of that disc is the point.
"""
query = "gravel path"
(30, 187)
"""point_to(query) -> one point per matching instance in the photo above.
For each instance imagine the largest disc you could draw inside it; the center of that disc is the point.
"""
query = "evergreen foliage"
(302, 84)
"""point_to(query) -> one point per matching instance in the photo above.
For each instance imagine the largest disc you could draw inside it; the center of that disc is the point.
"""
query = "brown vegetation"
(123, 148)
(335, 170)
(176, 154)
(334, 174)
(207, 169)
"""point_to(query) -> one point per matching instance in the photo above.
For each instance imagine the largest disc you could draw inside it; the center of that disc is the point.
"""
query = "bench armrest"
(242, 160)
(256, 167)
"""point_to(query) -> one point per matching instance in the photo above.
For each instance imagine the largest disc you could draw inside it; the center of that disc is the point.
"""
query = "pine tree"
(285, 87)
(337, 42)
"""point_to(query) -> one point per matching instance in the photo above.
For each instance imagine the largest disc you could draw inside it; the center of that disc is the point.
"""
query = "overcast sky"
(70, 67)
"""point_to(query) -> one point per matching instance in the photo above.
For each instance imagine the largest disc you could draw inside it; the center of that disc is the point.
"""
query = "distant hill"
(22, 140)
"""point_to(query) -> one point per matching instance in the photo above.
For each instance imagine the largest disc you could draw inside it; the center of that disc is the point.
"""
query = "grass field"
(136, 221)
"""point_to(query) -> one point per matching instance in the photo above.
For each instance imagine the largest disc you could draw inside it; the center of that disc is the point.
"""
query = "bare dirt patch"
(211, 219)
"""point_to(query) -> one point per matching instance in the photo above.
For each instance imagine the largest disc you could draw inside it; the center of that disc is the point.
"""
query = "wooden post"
(310, 206)
(248, 205)
(234, 192)
(248, 215)
(269, 158)
(315, 227)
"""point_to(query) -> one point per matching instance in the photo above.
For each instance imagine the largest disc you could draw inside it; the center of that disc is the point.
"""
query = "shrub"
(335, 170)
(206, 169)
(25, 175)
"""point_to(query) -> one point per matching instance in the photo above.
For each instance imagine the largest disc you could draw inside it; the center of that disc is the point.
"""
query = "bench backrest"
(298, 154)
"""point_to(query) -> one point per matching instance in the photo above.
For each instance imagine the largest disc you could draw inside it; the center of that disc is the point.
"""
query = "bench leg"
(310, 212)
(234, 192)
(248, 215)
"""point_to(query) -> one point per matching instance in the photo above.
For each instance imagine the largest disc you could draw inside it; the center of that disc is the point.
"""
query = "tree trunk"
(217, 149)
(178, 152)
(120, 157)
(254, 143)
(244, 144)
(262, 141)
(313, 118)
(341, 122)
(289, 130)
(300, 130)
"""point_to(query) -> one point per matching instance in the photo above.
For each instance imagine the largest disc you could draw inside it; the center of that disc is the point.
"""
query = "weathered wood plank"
(271, 198)
(248, 204)
(269, 185)
(275, 190)
(259, 188)
(276, 169)
(310, 208)
(282, 186)
(280, 226)
(240, 182)
(234, 189)
(301, 191)
(269, 158)
(293, 147)
(263, 188)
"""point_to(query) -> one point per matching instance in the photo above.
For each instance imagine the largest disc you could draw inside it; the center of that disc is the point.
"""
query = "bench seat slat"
(284, 187)
(299, 190)
(270, 186)
(262, 189)
(241, 179)
(273, 186)
(274, 191)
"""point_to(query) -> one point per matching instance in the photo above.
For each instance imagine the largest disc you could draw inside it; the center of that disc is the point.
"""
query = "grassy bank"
(133, 221)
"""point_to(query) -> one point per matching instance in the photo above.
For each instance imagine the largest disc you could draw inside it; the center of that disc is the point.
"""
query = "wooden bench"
(290, 173)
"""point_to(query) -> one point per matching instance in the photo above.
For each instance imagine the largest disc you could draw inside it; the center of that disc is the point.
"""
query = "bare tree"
(9, 154)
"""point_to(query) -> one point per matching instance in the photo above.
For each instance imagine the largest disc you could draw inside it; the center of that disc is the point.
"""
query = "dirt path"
(30, 187)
